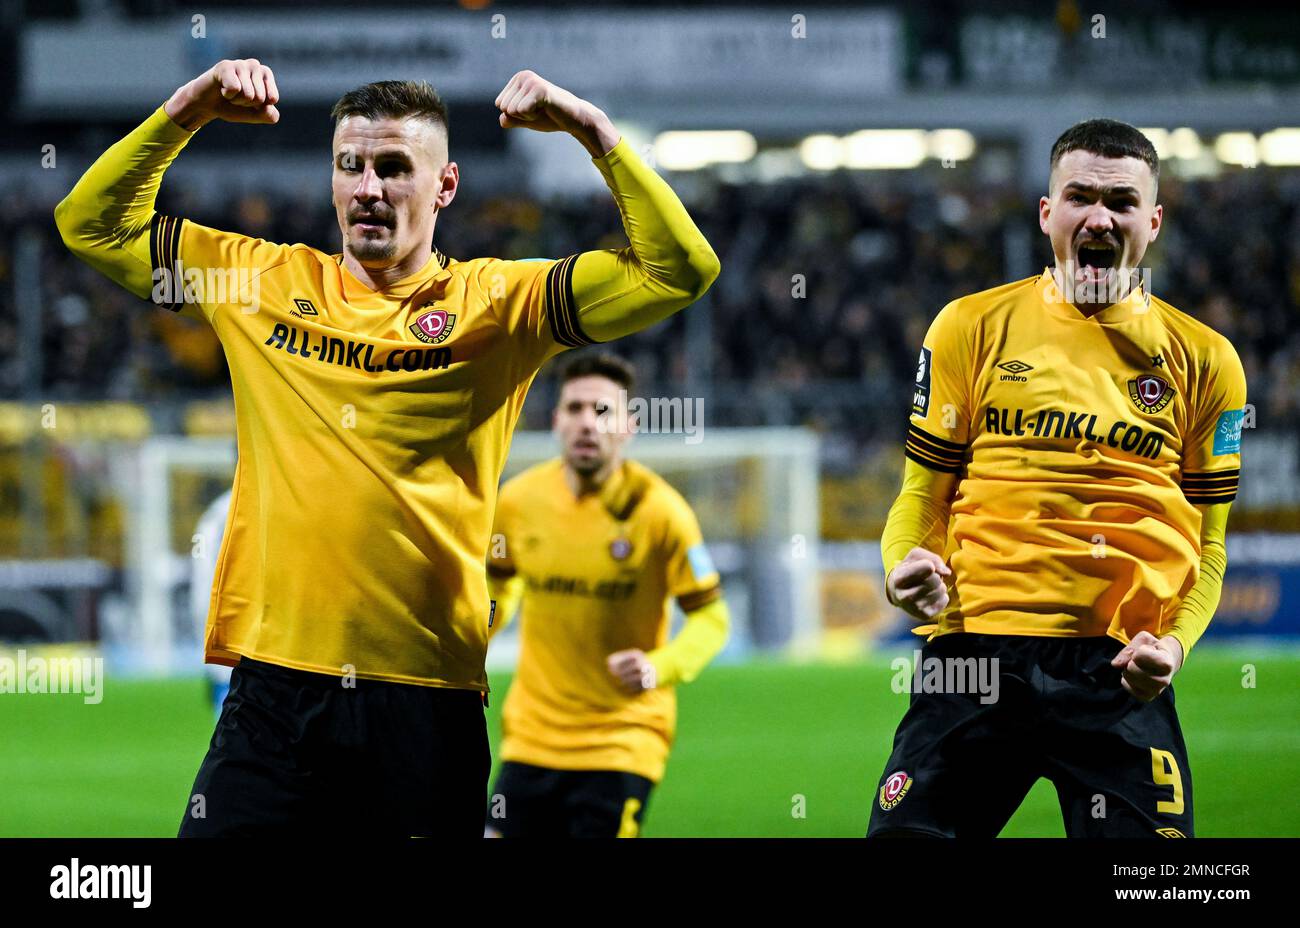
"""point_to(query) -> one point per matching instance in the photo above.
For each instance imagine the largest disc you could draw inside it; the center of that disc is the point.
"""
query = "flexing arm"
(668, 264)
(107, 217)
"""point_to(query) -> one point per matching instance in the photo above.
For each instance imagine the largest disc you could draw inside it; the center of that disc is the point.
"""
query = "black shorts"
(300, 753)
(530, 802)
(962, 764)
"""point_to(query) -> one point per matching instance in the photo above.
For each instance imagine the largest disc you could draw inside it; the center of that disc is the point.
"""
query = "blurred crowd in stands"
(828, 285)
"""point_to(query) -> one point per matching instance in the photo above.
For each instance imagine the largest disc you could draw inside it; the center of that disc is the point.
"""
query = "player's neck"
(1087, 309)
(586, 484)
(380, 278)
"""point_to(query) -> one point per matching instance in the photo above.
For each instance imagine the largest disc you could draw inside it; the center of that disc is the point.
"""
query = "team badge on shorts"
(620, 548)
(896, 786)
(1150, 393)
(433, 327)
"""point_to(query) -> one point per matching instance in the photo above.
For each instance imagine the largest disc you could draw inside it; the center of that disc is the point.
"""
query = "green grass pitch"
(751, 740)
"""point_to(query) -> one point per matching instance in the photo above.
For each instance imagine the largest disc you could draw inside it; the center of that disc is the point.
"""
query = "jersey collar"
(354, 289)
(1137, 302)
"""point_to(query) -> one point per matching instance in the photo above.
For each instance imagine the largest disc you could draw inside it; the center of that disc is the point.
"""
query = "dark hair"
(392, 100)
(1109, 138)
(600, 364)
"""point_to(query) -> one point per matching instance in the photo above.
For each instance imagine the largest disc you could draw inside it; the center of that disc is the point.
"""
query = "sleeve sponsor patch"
(1227, 433)
(921, 393)
(701, 563)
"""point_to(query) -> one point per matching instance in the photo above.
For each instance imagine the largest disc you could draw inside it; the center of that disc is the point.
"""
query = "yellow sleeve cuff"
(699, 641)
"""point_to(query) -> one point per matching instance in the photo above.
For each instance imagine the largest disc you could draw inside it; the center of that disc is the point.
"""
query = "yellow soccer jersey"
(379, 422)
(1081, 445)
(373, 425)
(598, 574)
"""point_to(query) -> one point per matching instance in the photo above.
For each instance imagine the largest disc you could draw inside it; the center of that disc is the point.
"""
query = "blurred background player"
(595, 547)
(375, 392)
(1072, 454)
(203, 568)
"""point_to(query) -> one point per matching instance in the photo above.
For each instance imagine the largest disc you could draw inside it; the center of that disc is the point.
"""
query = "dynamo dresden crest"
(433, 327)
(895, 788)
(1150, 393)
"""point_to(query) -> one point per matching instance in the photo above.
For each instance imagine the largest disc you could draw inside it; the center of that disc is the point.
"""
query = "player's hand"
(1149, 664)
(633, 670)
(532, 102)
(235, 91)
(916, 585)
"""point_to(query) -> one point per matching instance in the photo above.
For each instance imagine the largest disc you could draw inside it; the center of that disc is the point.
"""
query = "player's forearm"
(597, 132)
(668, 265)
(1197, 608)
(919, 516)
(506, 592)
(701, 638)
(105, 219)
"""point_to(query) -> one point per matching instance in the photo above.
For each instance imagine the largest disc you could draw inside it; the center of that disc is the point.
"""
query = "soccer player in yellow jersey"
(595, 546)
(1072, 453)
(375, 393)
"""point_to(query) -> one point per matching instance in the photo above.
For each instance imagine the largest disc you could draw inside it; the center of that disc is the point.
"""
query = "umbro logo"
(1015, 371)
(304, 308)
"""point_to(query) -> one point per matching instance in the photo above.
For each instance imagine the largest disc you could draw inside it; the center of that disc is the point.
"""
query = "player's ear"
(450, 182)
(1157, 217)
(1044, 210)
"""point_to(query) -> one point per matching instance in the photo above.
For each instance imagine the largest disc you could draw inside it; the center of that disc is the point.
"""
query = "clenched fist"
(532, 102)
(235, 91)
(633, 670)
(916, 585)
(1149, 664)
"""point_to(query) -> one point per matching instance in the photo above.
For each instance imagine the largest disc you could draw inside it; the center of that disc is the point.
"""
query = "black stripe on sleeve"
(934, 453)
(689, 602)
(1218, 486)
(561, 307)
(164, 251)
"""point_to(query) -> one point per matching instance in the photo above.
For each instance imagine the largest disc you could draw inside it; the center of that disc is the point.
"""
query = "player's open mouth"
(1097, 256)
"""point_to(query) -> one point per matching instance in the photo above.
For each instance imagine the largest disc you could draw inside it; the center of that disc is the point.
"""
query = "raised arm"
(668, 264)
(108, 217)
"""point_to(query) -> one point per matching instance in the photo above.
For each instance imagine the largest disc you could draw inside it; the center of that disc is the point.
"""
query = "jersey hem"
(975, 626)
(333, 672)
